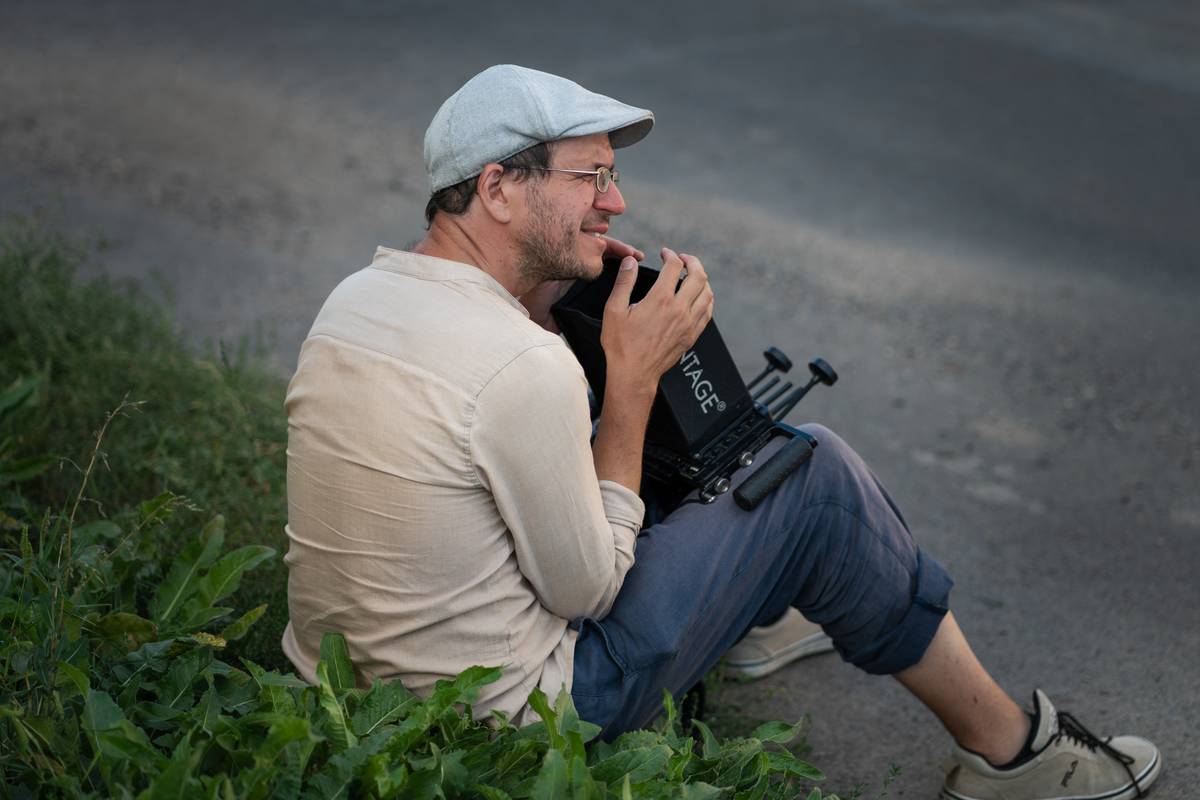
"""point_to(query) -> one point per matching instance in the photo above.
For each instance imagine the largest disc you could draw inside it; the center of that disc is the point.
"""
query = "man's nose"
(610, 202)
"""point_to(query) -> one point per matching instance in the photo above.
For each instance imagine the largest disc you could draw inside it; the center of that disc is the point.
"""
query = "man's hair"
(456, 199)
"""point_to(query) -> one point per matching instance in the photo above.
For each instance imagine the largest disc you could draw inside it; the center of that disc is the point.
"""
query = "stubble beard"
(547, 246)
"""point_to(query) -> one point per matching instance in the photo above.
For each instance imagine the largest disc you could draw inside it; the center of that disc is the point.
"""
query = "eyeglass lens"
(606, 177)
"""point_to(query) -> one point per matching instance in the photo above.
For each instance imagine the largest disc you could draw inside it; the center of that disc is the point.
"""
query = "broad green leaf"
(678, 763)
(551, 783)
(289, 772)
(69, 673)
(454, 776)
(633, 739)
(788, 763)
(537, 701)
(112, 734)
(240, 626)
(225, 575)
(710, 747)
(176, 688)
(489, 792)
(779, 732)
(209, 709)
(272, 678)
(757, 790)
(517, 758)
(700, 791)
(335, 655)
(100, 713)
(568, 718)
(282, 732)
(17, 394)
(343, 736)
(463, 689)
(380, 779)
(22, 469)
(158, 716)
(158, 509)
(175, 782)
(196, 615)
(383, 704)
(243, 695)
(423, 785)
(336, 779)
(583, 785)
(130, 630)
(815, 794)
(181, 582)
(638, 765)
(737, 758)
(96, 531)
(127, 743)
(672, 711)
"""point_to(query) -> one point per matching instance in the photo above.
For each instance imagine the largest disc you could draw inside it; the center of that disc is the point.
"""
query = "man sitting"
(447, 507)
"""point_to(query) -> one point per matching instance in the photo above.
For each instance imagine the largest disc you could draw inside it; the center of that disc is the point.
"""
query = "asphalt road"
(985, 215)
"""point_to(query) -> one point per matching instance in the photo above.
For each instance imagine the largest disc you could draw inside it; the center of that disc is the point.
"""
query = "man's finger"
(702, 301)
(618, 300)
(615, 248)
(696, 280)
(668, 278)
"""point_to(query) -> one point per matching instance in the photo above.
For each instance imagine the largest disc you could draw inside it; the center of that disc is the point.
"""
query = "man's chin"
(593, 268)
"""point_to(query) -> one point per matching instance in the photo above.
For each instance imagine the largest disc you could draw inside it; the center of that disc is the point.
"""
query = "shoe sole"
(812, 645)
(1145, 780)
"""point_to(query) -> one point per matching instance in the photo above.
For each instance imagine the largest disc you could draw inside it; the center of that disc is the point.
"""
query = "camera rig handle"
(792, 455)
(767, 478)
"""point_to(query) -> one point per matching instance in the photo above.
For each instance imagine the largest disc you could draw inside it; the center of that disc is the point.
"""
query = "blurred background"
(986, 216)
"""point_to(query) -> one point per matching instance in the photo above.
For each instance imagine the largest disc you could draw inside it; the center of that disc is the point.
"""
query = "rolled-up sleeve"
(574, 535)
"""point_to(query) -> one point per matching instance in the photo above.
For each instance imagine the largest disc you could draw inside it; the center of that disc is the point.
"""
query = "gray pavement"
(983, 214)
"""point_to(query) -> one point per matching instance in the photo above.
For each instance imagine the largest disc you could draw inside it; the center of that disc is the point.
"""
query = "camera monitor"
(698, 398)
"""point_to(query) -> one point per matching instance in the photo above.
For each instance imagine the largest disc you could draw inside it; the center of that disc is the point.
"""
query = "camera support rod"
(766, 387)
(776, 360)
(821, 373)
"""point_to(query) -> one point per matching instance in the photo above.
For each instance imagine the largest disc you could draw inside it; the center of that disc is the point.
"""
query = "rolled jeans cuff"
(905, 644)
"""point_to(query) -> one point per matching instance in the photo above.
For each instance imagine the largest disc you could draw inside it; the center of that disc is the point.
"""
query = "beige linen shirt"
(443, 507)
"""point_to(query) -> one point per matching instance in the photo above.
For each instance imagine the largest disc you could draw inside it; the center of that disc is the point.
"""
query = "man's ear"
(495, 193)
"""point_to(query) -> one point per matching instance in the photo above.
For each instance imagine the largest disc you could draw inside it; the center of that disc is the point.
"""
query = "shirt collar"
(432, 268)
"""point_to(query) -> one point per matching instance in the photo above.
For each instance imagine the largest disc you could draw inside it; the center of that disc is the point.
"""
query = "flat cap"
(506, 109)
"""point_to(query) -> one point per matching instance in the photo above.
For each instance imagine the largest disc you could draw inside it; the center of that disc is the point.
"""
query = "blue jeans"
(829, 542)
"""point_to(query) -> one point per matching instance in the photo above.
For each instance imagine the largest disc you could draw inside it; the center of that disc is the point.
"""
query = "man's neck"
(455, 244)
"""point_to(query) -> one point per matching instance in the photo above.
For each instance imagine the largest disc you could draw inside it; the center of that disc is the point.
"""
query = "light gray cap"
(506, 109)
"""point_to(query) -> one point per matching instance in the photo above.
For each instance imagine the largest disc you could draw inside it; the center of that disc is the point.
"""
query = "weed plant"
(210, 429)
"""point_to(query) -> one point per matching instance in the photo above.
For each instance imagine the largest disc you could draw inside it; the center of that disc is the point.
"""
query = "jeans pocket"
(599, 669)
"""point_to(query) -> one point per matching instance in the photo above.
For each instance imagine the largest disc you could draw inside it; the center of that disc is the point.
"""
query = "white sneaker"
(1069, 763)
(766, 649)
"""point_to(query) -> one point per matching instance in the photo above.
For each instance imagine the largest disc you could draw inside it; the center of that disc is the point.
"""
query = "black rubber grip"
(768, 477)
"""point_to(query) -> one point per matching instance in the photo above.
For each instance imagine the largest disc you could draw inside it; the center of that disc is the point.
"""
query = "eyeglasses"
(605, 177)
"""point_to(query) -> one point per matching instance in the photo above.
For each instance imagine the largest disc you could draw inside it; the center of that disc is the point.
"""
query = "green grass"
(210, 428)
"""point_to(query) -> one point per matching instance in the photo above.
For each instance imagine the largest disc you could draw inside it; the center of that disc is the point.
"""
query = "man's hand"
(644, 340)
(539, 300)
(641, 342)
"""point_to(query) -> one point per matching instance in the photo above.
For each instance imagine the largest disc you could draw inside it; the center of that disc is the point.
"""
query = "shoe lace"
(1072, 728)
